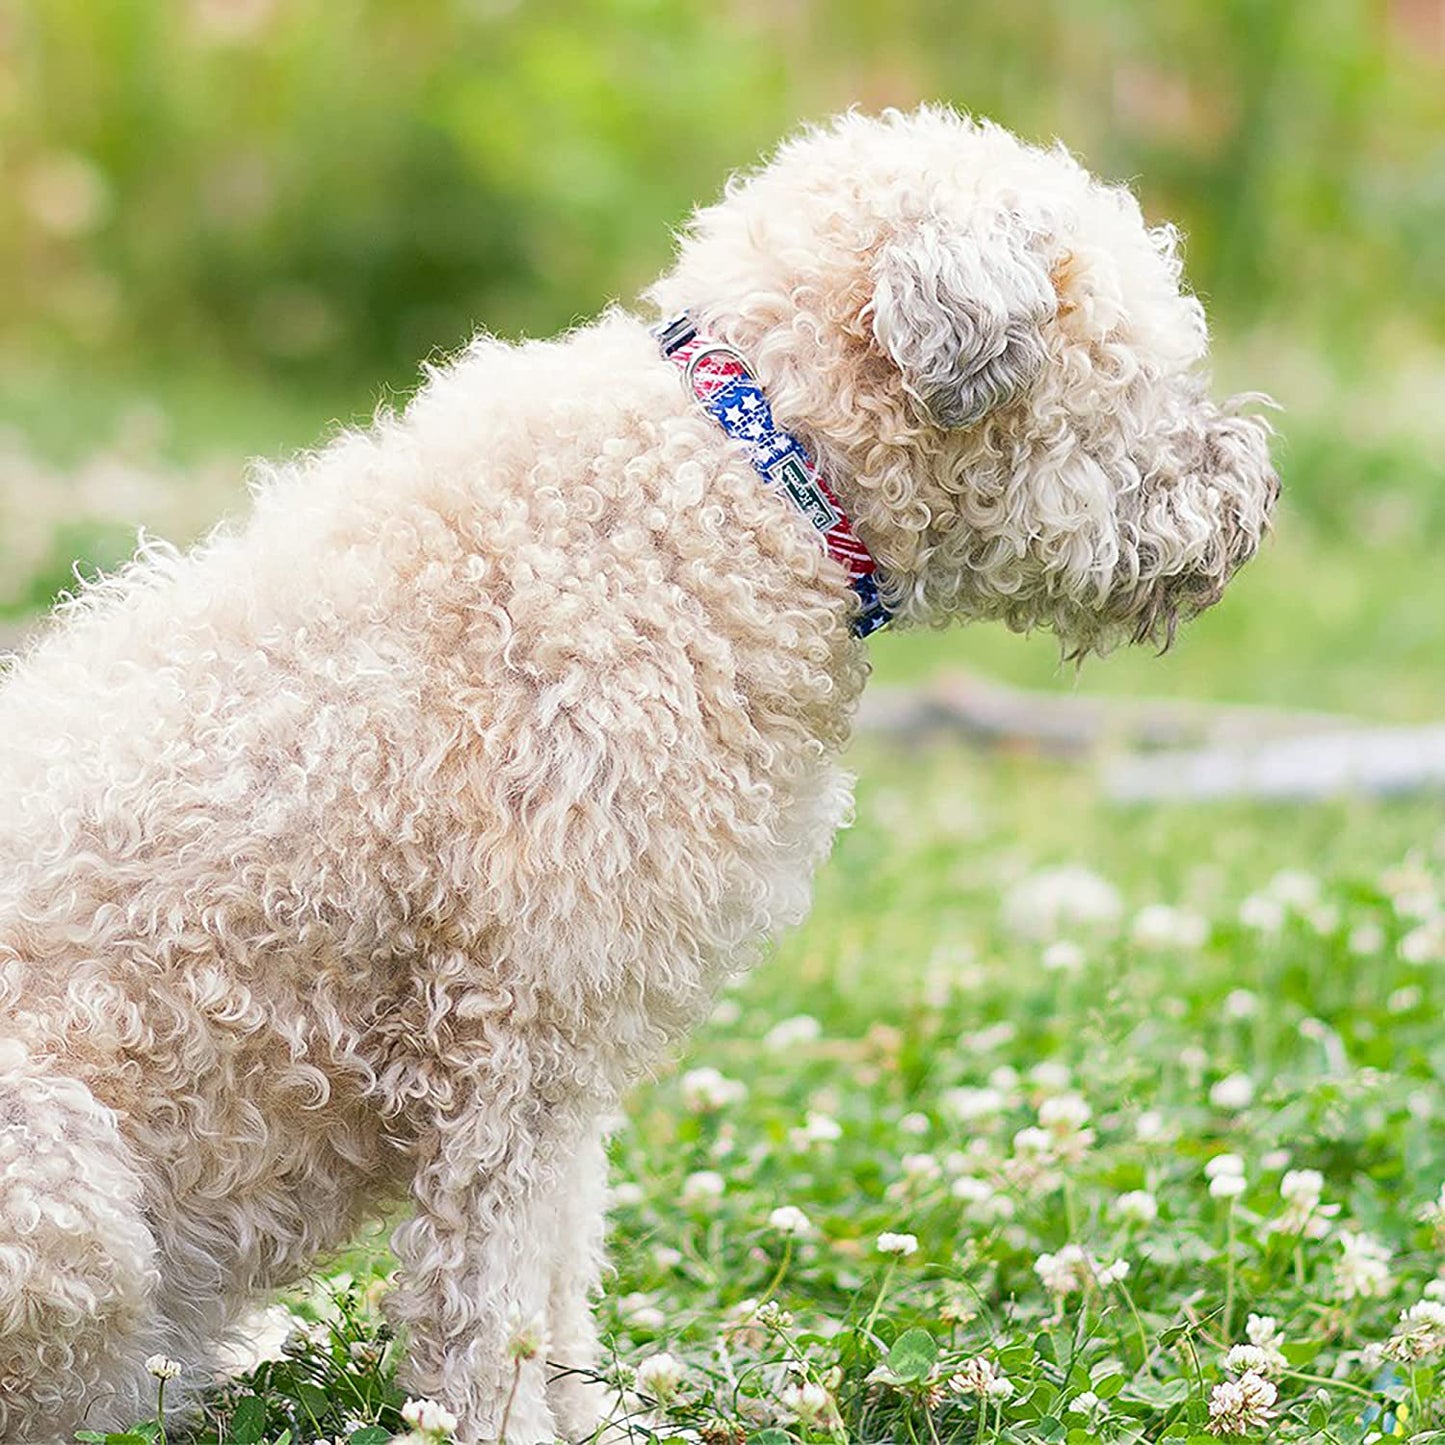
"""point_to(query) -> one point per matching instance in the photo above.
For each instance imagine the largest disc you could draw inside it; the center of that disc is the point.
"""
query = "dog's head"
(991, 354)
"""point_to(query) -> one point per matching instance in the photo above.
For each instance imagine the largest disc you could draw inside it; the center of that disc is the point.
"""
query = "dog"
(368, 851)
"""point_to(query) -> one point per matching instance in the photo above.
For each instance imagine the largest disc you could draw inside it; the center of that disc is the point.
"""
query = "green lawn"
(1008, 1064)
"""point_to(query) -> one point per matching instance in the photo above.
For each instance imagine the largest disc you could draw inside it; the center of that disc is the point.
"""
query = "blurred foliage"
(330, 189)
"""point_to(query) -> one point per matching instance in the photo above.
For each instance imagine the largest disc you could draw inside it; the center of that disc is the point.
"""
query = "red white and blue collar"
(719, 378)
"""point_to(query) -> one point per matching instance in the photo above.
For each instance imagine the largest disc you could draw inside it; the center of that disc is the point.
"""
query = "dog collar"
(719, 378)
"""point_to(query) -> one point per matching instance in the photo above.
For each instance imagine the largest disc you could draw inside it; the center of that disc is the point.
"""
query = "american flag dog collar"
(719, 378)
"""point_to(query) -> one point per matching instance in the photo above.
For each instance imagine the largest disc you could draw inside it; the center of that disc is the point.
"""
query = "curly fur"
(371, 848)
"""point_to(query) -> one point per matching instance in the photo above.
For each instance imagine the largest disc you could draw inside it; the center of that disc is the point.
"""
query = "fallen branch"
(1380, 761)
(994, 715)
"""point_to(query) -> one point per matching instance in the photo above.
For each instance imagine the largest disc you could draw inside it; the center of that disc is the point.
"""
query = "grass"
(1026, 1074)
(966, 1047)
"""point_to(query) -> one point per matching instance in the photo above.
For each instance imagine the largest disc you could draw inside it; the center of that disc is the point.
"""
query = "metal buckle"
(714, 348)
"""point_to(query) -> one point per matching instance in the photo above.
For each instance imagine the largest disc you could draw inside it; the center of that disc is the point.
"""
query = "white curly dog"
(373, 847)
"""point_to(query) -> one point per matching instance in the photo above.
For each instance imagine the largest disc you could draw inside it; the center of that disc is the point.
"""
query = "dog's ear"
(959, 313)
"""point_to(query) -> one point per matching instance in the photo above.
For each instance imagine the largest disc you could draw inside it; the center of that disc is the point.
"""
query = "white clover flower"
(1063, 1119)
(898, 1244)
(1227, 1186)
(966, 1161)
(1044, 904)
(1111, 1273)
(1366, 939)
(1240, 1003)
(981, 1200)
(1030, 1166)
(1302, 1187)
(1137, 1206)
(771, 1314)
(978, 1375)
(163, 1367)
(660, 1376)
(704, 1186)
(1063, 1273)
(1224, 1164)
(971, 1190)
(1064, 1114)
(1294, 888)
(807, 1402)
(1160, 927)
(640, 1313)
(1362, 1271)
(1275, 1159)
(817, 1128)
(1420, 1333)
(1063, 955)
(790, 1220)
(1193, 1060)
(705, 1091)
(915, 1125)
(1303, 1213)
(432, 1419)
(1050, 1076)
(1264, 1332)
(791, 1032)
(1264, 915)
(1425, 943)
(1034, 1143)
(999, 1388)
(1249, 1359)
(1404, 1000)
(1151, 1127)
(1434, 1213)
(958, 1306)
(920, 1168)
(1234, 1092)
(1237, 1407)
(627, 1195)
(1411, 889)
(665, 1257)
(985, 1041)
(1072, 1269)
(969, 1105)
(1004, 1078)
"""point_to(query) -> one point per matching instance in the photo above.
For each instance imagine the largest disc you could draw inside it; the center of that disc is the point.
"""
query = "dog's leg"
(475, 1260)
(577, 1399)
(77, 1261)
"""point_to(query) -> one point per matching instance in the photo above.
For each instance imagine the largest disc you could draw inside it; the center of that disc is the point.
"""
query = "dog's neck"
(719, 377)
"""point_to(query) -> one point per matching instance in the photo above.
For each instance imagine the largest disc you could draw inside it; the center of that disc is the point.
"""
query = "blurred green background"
(227, 224)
